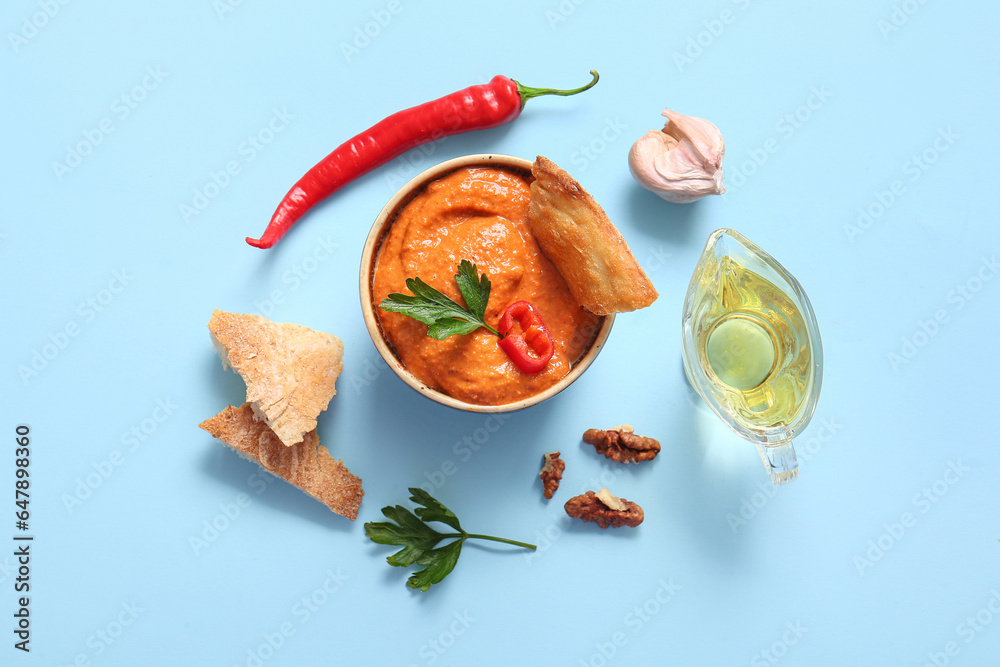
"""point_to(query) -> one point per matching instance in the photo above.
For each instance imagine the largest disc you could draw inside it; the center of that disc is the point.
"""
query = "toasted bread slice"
(589, 251)
(306, 465)
(290, 370)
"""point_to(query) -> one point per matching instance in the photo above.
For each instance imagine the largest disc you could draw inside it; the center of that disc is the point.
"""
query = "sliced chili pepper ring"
(532, 347)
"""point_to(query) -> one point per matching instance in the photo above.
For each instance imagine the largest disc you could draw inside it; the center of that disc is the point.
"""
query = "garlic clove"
(682, 162)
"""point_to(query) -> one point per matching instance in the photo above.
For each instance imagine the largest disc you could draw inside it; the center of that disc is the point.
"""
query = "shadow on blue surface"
(709, 479)
(243, 476)
(675, 223)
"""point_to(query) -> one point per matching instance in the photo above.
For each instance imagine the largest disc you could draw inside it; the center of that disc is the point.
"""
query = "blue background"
(878, 554)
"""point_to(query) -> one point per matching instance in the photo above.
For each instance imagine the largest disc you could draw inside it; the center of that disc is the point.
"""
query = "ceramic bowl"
(369, 256)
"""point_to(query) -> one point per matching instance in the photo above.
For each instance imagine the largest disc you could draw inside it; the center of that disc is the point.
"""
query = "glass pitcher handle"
(780, 461)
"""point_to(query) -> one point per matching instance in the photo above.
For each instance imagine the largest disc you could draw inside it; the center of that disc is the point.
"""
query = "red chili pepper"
(474, 108)
(533, 333)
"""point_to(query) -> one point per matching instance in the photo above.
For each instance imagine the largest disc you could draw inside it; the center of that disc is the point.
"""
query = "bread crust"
(589, 251)
(290, 370)
(307, 465)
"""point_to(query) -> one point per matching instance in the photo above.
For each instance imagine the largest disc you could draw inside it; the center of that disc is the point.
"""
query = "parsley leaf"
(433, 510)
(475, 289)
(419, 541)
(418, 537)
(442, 314)
(440, 562)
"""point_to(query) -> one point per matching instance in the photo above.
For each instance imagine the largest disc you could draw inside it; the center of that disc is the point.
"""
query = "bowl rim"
(380, 228)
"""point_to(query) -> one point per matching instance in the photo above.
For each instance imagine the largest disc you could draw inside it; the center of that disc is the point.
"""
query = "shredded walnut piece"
(589, 507)
(551, 473)
(612, 501)
(621, 444)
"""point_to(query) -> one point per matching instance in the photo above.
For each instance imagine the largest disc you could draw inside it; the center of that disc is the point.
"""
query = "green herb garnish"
(443, 315)
(419, 541)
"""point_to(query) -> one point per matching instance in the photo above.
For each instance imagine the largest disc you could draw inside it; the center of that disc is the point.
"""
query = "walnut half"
(621, 444)
(596, 508)
(551, 473)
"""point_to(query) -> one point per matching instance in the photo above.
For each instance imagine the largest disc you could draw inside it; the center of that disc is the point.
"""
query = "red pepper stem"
(527, 93)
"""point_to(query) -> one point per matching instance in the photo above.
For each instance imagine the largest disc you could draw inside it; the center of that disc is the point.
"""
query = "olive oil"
(753, 341)
(752, 347)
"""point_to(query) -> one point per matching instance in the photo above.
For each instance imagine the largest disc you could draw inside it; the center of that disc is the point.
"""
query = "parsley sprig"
(419, 541)
(443, 315)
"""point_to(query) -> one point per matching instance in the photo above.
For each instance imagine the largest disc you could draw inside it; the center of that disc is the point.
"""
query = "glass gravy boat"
(752, 348)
